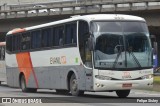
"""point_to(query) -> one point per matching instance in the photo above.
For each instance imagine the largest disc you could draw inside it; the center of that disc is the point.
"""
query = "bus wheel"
(60, 91)
(122, 93)
(74, 86)
(23, 84)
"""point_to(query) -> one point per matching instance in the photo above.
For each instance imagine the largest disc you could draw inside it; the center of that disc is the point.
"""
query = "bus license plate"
(127, 85)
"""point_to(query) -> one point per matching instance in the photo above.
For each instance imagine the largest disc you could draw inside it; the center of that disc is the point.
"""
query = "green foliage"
(156, 79)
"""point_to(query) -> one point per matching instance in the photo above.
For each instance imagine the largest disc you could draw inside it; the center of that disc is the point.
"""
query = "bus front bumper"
(111, 85)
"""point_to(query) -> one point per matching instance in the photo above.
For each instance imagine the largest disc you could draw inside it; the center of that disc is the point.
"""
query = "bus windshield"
(121, 45)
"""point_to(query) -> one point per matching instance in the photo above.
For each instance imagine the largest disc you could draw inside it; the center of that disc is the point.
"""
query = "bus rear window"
(9, 43)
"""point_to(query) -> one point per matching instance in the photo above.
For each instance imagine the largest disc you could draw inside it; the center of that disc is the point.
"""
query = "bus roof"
(88, 18)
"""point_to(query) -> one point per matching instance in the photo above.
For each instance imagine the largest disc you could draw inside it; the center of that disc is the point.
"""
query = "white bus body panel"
(120, 78)
(49, 72)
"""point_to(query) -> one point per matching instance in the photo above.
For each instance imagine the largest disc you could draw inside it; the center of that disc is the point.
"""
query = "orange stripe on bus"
(35, 78)
(18, 30)
(25, 65)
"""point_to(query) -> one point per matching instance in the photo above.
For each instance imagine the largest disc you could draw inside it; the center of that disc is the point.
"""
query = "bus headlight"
(101, 77)
(147, 76)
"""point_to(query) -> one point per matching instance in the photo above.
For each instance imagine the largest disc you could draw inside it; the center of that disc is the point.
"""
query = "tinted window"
(134, 27)
(71, 33)
(36, 39)
(107, 27)
(9, 43)
(137, 42)
(58, 36)
(53, 37)
(16, 42)
(46, 37)
(25, 41)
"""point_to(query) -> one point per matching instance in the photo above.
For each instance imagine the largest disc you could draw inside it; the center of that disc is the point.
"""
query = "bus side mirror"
(91, 43)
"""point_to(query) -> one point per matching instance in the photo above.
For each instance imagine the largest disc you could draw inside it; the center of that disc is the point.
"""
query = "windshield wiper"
(135, 59)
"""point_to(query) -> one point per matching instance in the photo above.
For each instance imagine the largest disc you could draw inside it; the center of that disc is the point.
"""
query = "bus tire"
(33, 90)
(24, 87)
(23, 84)
(60, 91)
(74, 86)
(122, 93)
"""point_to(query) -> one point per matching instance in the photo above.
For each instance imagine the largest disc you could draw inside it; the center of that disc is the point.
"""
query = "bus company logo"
(126, 75)
(63, 59)
(58, 60)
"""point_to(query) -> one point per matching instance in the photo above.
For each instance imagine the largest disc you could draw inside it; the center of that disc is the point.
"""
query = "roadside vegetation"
(156, 83)
(156, 79)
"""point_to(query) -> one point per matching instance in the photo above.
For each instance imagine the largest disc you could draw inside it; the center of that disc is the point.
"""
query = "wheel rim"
(74, 85)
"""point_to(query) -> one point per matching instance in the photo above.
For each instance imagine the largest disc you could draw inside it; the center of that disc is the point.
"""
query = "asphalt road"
(136, 98)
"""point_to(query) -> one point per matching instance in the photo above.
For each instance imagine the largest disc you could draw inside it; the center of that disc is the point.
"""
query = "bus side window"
(9, 43)
(83, 32)
(25, 41)
(71, 33)
(59, 36)
(53, 43)
(46, 37)
(36, 39)
(16, 43)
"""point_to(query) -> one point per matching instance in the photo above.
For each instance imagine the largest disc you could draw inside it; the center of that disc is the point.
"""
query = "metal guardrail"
(79, 7)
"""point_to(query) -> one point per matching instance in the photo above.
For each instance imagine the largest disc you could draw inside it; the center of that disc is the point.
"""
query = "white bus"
(83, 53)
(2, 62)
